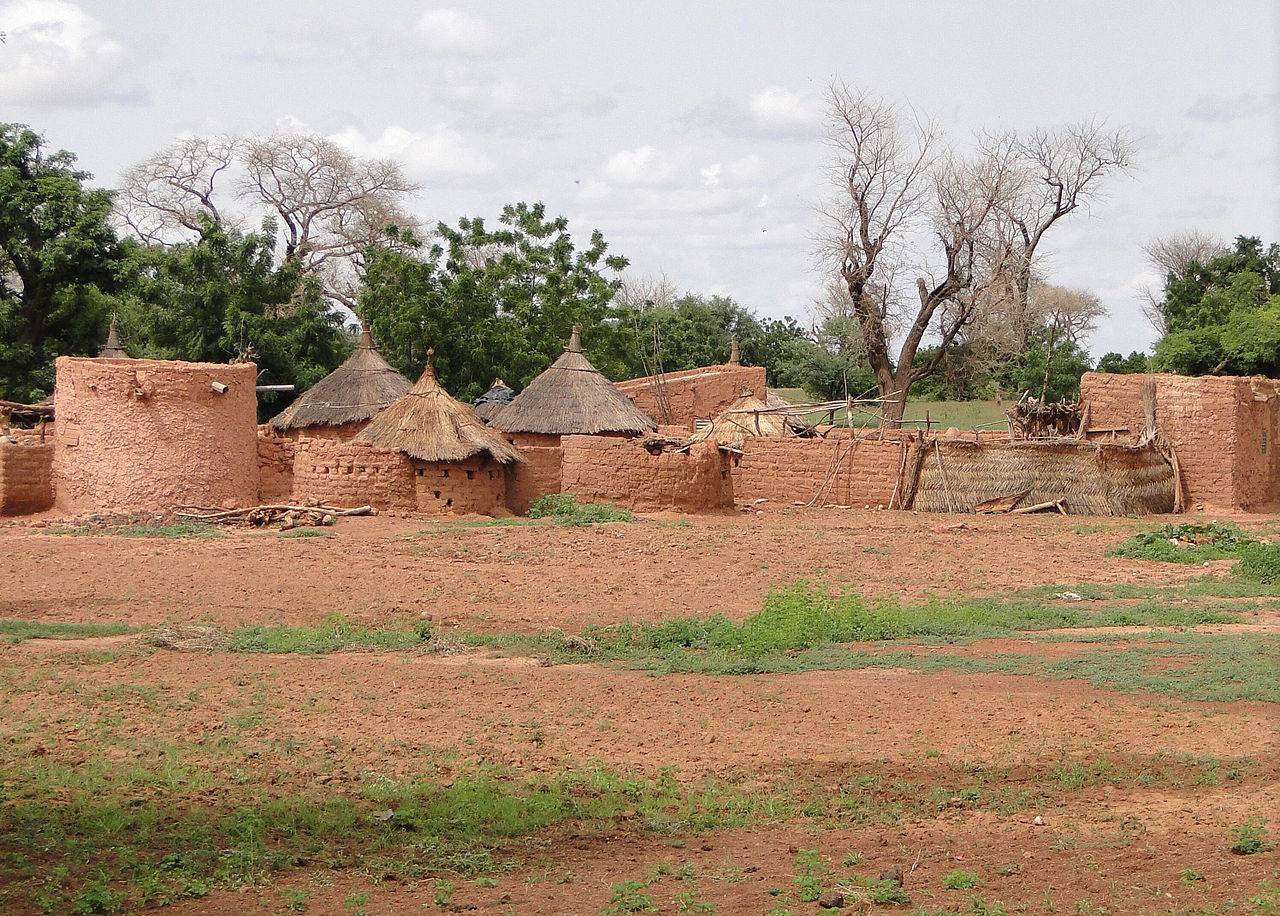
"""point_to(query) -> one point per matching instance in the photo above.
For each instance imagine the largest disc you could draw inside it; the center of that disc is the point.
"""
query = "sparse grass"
(1189, 542)
(16, 631)
(961, 880)
(565, 509)
(307, 533)
(335, 633)
(170, 530)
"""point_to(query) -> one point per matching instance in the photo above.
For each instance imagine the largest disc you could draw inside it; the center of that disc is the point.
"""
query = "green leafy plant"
(961, 880)
(565, 509)
(1189, 542)
(1250, 838)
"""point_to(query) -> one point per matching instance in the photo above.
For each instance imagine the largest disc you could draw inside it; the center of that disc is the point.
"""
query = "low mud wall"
(353, 474)
(26, 477)
(476, 486)
(1222, 428)
(695, 394)
(623, 472)
(153, 434)
(538, 474)
(837, 470)
(275, 466)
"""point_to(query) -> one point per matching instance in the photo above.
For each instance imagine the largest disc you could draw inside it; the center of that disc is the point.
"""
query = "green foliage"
(1188, 542)
(1259, 563)
(493, 300)
(1250, 838)
(16, 631)
(812, 875)
(961, 880)
(58, 263)
(1134, 363)
(1224, 316)
(628, 897)
(565, 509)
(222, 298)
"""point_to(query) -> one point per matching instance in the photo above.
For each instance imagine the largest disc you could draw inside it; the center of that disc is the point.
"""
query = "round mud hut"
(344, 401)
(490, 404)
(457, 464)
(571, 398)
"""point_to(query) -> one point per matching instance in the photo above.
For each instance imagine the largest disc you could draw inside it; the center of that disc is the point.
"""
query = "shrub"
(1250, 838)
(565, 509)
(1186, 543)
(960, 880)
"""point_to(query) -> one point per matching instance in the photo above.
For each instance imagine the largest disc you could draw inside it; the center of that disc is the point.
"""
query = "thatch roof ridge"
(571, 397)
(364, 385)
(429, 425)
(740, 420)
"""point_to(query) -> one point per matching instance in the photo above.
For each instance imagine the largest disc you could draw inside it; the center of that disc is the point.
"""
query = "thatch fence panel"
(1088, 478)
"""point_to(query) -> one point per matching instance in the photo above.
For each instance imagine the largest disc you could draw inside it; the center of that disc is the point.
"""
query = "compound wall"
(154, 434)
(539, 473)
(352, 474)
(1222, 428)
(696, 394)
(857, 471)
(26, 477)
(622, 471)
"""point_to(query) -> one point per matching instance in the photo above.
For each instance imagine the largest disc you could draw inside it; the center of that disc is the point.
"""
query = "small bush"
(960, 880)
(565, 509)
(1250, 838)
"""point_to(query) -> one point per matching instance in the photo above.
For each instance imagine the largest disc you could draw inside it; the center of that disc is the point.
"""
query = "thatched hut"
(457, 463)
(344, 401)
(741, 420)
(491, 403)
(572, 398)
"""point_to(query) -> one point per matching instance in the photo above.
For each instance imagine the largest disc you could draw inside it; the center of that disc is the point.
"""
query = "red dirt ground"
(400, 715)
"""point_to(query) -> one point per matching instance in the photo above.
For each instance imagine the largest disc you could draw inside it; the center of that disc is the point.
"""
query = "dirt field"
(1074, 769)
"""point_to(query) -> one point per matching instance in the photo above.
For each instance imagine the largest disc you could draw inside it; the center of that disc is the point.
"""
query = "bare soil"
(325, 723)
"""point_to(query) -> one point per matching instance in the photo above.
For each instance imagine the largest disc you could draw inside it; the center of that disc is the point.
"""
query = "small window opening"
(446, 472)
(471, 475)
(437, 492)
(448, 502)
(419, 472)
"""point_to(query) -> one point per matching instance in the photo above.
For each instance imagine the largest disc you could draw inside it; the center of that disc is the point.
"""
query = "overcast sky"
(690, 133)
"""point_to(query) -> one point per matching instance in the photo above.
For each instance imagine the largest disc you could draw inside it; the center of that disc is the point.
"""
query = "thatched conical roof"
(490, 404)
(357, 390)
(429, 425)
(739, 421)
(572, 397)
(112, 349)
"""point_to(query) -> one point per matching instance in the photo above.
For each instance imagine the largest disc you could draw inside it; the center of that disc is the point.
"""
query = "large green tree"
(494, 299)
(222, 298)
(1223, 316)
(59, 262)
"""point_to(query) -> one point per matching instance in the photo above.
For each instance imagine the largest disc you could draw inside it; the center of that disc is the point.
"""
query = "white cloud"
(780, 110)
(644, 167)
(56, 54)
(711, 174)
(447, 31)
(435, 153)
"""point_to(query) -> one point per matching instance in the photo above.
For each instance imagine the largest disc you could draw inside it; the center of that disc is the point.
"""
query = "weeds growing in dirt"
(307, 533)
(170, 530)
(565, 509)
(1250, 838)
(333, 634)
(1189, 542)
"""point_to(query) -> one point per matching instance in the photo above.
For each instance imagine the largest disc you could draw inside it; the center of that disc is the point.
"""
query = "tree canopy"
(1223, 315)
(59, 258)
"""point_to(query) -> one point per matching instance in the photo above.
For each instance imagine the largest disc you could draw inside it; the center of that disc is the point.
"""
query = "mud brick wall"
(1224, 438)
(153, 434)
(792, 470)
(477, 486)
(275, 465)
(26, 477)
(352, 474)
(621, 471)
(696, 394)
(539, 473)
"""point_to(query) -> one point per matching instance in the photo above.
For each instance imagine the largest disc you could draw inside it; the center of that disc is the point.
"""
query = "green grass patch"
(16, 631)
(565, 509)
(141, 530)
(1189, 542)
(335, 633)
(307, 533)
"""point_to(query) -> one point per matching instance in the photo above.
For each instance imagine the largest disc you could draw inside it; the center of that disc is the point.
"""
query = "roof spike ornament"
(575, 340)
(734, 358)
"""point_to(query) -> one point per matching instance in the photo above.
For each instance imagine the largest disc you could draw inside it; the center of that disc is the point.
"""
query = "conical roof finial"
(366, 339)
(112, 348)
(734, 359)
(575, 340)
(431, 361)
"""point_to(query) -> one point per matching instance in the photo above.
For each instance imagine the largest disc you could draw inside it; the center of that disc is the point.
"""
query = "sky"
(690, 134)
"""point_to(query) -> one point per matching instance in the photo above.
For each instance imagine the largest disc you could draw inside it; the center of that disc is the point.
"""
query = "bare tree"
(967, 229)
(171, 193)
(639, 293)
(1057, 172)
(895, 180)
(328, 204)
(1169, 256)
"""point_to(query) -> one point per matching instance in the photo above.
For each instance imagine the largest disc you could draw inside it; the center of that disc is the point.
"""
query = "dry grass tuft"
(186, 638)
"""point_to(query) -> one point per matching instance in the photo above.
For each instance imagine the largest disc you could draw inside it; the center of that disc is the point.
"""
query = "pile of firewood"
(284, 517)
(1032, 419)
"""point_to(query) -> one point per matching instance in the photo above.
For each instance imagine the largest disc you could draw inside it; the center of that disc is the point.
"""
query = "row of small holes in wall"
(470, 474)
